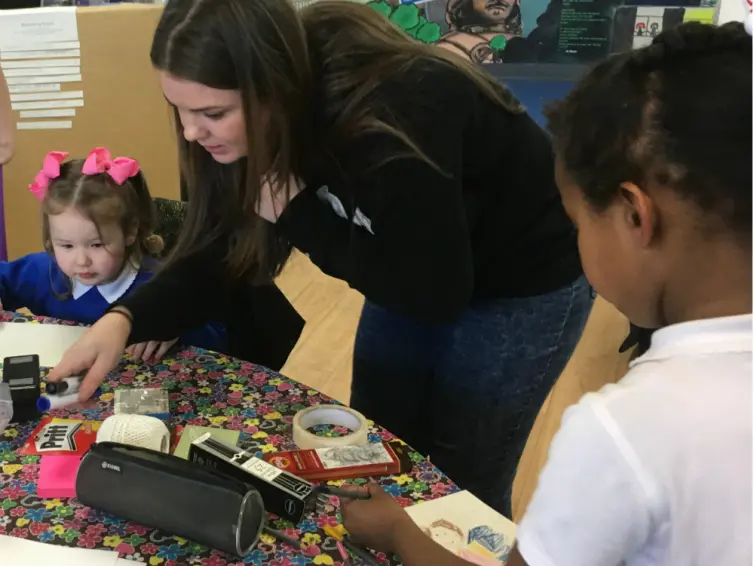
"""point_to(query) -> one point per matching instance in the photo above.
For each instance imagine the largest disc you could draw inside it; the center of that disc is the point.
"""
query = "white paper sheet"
(57, 113)
(43, 79)
(41, 71)
(730, 11)
(39, 53)
(466, 526)
(42, 104)
(33, 46)
(21, 552)
(48, 341)
(47, 87)
(50, 125)
(36, 63)
(25, 97)
(21, 28)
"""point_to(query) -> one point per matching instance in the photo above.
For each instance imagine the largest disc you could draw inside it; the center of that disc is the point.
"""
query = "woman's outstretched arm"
(184, 295)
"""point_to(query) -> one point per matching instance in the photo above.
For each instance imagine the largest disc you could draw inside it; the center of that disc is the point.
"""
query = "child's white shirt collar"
(711, 336)
(113, 290)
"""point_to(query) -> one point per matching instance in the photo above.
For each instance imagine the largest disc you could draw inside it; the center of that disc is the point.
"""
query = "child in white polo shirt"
(654, 164)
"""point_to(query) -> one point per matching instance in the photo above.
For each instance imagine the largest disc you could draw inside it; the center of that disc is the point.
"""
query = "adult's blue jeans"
(467, 394)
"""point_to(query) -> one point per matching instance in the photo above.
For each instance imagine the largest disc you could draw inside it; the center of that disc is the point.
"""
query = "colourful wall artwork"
(538, 31)
(477, 29)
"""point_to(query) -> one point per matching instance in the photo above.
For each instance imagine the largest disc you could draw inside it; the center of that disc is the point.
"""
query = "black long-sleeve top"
(421, 241)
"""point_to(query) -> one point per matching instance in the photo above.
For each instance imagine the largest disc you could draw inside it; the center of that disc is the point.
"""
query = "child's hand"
(150, 351)
(375, 522)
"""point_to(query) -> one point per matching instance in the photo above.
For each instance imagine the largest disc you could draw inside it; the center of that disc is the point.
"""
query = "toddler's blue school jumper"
(36, 282)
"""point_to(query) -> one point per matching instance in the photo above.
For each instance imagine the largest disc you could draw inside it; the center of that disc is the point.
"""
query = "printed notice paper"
(45, 125)
(21, 29)
(43, 50)
(48, 87)
(40, 46)
(43, 79)
(46, 96)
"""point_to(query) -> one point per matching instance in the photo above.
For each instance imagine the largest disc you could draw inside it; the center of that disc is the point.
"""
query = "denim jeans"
(467, 394)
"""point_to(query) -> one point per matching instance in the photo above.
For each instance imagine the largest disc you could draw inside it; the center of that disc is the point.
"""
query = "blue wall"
(537, 94)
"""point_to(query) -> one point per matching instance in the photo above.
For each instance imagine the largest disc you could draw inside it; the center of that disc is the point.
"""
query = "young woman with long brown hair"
(397, 167)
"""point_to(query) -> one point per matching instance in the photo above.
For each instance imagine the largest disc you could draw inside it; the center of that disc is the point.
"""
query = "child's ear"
(132, 233)
(640, 213)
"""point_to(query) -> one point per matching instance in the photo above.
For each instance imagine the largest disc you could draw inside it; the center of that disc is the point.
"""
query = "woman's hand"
(7, 150)
(153, 351)
(97, 352)
(375, 522)
(7, 124)
(273, 198)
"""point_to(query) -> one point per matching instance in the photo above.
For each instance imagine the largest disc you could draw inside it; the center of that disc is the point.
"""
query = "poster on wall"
(637, 26)
(538, 31)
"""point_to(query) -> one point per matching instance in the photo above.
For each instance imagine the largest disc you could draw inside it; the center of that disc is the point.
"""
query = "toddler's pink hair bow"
(50, 170)
(120, 168)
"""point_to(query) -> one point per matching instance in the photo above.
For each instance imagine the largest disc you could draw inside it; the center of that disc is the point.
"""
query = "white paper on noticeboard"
(43, 79)
(45, 125)
(25, 28)
(45, 87)
(29, 97)
(42, 104)
(36, 63)
(41, 71)
(43, 51)
(55, 113)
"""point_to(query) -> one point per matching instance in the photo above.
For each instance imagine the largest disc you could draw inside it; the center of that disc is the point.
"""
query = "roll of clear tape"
(335, 415)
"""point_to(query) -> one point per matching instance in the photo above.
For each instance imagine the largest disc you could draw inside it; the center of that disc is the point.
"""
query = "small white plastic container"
(6, 407)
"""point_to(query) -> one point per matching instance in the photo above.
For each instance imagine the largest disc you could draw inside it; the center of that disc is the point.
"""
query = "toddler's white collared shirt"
(112, 291)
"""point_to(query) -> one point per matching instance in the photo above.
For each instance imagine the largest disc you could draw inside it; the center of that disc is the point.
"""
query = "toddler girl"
(97, 232)
(654, 165)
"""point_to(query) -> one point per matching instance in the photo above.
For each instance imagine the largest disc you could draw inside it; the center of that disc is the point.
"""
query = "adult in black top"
(396, 167)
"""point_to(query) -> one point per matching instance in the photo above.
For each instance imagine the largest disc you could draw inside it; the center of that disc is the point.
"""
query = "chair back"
(170, 215)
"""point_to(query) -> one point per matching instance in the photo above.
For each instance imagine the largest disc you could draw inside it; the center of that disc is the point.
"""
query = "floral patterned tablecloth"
(206, 389)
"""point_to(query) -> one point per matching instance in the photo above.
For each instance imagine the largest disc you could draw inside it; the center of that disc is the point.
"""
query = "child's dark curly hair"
(677, 113)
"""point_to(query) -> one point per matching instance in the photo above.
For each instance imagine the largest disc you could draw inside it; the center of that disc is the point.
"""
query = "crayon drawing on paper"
(467, 527)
